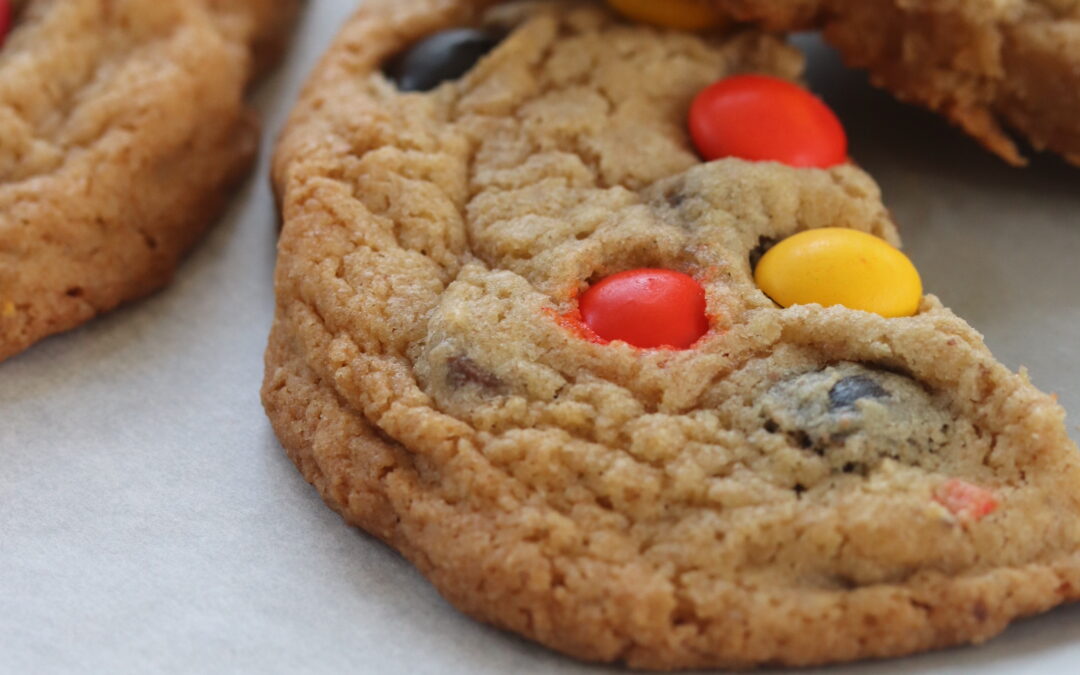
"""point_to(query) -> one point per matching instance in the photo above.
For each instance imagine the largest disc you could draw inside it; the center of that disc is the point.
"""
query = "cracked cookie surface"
(989, 67)
(781, 493)
(123, 128)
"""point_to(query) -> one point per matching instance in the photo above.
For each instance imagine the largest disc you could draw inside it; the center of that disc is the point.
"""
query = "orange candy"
(762, 118)
(966, 501)
(647, 308)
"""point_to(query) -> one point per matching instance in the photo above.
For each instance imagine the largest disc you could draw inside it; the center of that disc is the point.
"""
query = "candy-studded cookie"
(990, 67)
(123, 128)
(545, 328)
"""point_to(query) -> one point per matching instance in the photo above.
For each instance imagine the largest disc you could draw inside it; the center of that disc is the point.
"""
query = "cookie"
(990, 67)
(123, 129)
(451, 365)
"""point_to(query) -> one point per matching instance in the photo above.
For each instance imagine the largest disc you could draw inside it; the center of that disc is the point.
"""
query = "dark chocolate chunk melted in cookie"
(855, 416)
(462, 371)
(441, 58)
(850, 390)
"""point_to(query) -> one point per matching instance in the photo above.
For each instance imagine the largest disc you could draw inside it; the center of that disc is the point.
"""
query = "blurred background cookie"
(123, 131)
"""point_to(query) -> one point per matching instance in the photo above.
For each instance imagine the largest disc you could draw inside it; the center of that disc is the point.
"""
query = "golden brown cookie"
(990, 67)
(800, 486)
(123, 129)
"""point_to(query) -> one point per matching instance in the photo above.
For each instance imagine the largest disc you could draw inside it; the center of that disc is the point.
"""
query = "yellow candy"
(837, 266)
(679, 14)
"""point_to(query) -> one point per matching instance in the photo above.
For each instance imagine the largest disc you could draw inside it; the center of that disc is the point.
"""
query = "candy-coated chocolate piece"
(679, 14)
(441, 57)
(5, 19)
(838, 266)
(760, 118)
(850, 390)
(966, 501)
(647, 308)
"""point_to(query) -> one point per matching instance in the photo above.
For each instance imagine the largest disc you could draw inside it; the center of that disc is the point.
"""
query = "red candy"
(647, 308)
(760, 118)
(5, 19)
(966, 501)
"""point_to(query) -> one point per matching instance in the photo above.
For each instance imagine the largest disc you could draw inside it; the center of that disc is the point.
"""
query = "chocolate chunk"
(675, 197)
(440, 58)
(980, 612)
(763, 246)
(461, 370)
(819, 412)
(847, 391)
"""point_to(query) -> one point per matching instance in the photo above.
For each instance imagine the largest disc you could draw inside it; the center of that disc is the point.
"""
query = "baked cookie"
(464, 271)
(123, 129)
(989, 67)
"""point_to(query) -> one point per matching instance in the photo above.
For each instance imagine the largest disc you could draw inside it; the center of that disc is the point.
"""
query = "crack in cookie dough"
(987, 66)
(769, 496)
(123, 128)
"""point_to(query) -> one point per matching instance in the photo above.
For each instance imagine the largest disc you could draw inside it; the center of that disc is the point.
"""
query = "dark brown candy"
(440, 58)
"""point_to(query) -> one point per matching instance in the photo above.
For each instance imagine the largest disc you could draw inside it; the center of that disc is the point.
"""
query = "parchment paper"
(149, 521)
